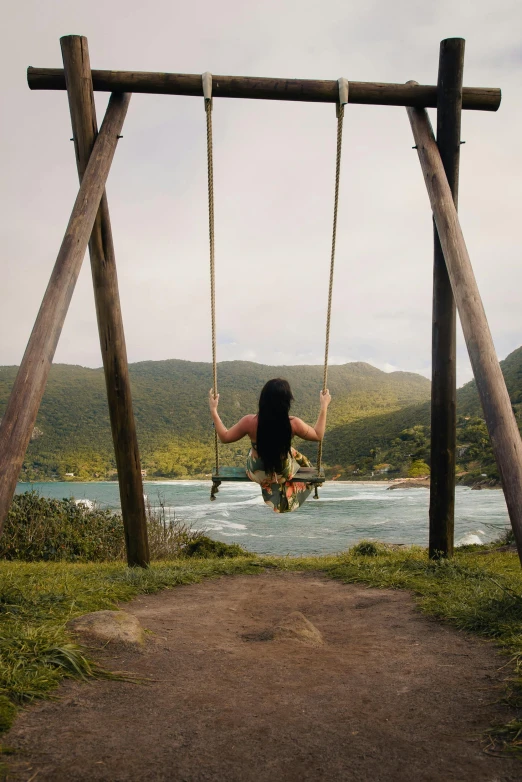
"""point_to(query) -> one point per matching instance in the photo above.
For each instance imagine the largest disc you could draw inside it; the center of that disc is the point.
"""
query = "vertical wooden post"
(444, 374)
(76, 62)
(24, 401)
(494, 397)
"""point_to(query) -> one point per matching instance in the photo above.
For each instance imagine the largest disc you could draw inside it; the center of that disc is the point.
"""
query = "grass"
(38, 599)
(474, 592)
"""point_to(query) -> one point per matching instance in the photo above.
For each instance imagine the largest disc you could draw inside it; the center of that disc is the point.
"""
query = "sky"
(274, 174)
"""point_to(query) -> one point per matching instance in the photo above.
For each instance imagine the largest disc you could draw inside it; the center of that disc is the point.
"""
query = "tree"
(418, 469)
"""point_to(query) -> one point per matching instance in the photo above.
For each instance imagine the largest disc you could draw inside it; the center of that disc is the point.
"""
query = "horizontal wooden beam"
(374, 93)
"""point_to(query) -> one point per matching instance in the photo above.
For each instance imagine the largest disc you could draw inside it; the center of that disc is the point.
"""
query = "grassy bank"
(474, 592)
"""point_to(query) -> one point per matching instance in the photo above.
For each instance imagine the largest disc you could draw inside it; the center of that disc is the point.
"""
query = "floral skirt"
(278, 492)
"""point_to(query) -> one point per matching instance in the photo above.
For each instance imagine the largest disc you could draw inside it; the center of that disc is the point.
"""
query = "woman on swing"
(272, 461)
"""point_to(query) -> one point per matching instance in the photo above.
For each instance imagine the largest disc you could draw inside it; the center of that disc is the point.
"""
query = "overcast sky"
(274, 172)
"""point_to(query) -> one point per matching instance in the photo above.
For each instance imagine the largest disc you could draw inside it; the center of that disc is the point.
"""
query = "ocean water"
(344, 514)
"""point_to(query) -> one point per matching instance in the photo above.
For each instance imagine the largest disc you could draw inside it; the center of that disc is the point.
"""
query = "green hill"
(401, 437)
(72, 433)
(378, 422)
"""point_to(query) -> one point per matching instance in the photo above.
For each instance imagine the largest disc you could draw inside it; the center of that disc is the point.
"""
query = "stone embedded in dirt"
(296, 627)
(109, 627)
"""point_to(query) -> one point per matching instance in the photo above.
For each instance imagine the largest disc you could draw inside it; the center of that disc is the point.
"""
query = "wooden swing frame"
(89, 224)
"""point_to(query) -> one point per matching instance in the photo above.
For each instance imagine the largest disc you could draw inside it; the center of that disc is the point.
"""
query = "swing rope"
(343, 98)
(207, 92)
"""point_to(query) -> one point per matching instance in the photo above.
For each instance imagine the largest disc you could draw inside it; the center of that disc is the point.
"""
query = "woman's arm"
(315, 433)
(238, 431)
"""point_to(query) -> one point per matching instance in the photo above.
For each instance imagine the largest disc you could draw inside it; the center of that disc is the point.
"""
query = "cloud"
(274, 170)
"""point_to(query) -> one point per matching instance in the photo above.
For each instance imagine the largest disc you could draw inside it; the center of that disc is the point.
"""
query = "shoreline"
(402, 483)
(199, 480)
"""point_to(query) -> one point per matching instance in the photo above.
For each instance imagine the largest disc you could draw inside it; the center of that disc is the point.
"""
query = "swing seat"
(238, 475)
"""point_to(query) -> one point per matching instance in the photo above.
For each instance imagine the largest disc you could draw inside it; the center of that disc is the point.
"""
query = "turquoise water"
(344, 514)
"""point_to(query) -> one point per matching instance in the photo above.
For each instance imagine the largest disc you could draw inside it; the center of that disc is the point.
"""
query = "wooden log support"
(22, 408)
(75, 53)
(444, 352)
(374, 93)
(496, 404)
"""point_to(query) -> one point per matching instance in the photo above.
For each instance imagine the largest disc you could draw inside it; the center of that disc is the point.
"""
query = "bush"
(366, 548)
(168, 536)
(418, 469)
(38, 528)
(506, 538)
(205, 547)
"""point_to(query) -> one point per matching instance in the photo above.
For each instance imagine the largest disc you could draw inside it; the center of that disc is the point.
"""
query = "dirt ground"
(390, 695)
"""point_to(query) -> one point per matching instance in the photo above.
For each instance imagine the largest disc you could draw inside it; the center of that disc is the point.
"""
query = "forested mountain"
(72, 433)
(394, 441)
(378, 422)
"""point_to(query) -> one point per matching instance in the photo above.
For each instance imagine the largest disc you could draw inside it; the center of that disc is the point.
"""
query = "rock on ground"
(108, 627)
(296, 627)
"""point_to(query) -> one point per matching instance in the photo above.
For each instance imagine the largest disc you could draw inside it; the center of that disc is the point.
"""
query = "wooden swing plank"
(238, 474)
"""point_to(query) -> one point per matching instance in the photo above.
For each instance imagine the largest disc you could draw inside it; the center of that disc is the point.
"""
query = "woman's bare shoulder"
(298, 425)
(249, 422)
(303, 430)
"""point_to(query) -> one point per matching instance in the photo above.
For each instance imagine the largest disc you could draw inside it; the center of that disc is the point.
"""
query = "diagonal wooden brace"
(496, 404)
(22, 408)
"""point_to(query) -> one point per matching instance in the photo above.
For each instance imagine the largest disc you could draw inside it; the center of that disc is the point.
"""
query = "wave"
(257, 500)
(470, 539)
(219, 523)
(89, 504)
(362, 498)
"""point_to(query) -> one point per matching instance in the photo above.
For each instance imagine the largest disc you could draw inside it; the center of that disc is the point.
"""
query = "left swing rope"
(207, 95)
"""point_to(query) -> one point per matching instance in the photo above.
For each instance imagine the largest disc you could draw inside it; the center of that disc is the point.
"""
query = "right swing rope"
(206, 79)
(343, 99)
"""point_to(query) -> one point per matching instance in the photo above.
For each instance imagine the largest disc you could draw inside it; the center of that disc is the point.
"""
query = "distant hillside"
(379, 423)
(72, 433)
(398, 438)
(468, 398)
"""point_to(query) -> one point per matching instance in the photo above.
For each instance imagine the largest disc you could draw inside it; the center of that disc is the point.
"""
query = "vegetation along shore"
(378, 426)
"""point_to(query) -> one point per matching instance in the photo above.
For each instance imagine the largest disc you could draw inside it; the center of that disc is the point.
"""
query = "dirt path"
(390, 696)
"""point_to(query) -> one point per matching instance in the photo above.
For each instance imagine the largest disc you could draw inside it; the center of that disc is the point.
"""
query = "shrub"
(38, 528)
(366, 548)
(202, 546)
(418, 469)
(506, 538)
(168, 536)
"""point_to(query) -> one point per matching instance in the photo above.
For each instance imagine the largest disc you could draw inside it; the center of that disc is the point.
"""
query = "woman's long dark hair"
(274, 430)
